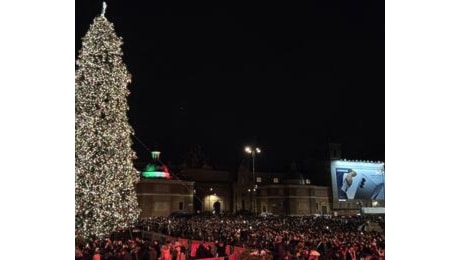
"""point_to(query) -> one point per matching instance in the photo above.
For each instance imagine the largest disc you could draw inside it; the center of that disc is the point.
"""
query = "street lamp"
(211, 193)
(253, 153)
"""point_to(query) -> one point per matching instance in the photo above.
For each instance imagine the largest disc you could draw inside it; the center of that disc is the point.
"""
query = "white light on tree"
(105, 198)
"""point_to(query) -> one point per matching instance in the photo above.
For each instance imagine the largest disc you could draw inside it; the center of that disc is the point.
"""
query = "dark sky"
(287, 77)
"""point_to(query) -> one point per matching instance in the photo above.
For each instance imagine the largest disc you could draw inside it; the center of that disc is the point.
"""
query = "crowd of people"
(280, 237)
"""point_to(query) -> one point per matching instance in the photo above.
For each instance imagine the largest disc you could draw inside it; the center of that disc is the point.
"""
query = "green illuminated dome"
(156, 169)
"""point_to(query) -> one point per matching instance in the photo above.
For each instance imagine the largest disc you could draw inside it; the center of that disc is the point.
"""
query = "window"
(259, 179)
(181, 205)
(275, 180)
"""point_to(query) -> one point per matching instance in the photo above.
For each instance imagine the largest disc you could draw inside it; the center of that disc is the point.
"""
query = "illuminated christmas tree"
(105, 197)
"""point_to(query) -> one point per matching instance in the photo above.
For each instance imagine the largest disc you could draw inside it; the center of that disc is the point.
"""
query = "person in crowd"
(154, 250)
(97, 254)
(282, 237)
(202, 252)
(166, 252)
(179, 252)
(220, 249)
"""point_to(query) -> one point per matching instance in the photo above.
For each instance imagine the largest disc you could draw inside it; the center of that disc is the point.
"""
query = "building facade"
(198, 188)
(159, 193)
(293, 199)
(213, 189)
(161, 197)
(282, 193)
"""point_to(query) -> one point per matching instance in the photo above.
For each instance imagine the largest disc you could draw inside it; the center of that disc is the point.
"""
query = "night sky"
(286, 77)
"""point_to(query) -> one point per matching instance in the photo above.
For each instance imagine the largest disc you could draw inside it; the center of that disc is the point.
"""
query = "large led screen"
(358, 180)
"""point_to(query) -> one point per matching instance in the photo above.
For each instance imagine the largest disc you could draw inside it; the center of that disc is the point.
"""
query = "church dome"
(156, 168)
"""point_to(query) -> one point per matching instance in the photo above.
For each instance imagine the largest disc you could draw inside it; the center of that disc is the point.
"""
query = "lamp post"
(253, 153)
(210, 195)
(250, 199)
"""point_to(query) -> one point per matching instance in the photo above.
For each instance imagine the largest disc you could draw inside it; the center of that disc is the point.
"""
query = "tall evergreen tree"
(105, 197)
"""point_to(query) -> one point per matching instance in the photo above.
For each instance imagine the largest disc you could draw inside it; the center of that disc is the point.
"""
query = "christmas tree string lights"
(105, 178)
